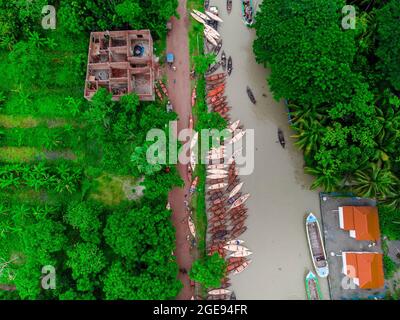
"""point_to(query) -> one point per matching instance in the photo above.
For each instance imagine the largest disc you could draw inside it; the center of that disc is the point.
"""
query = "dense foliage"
(342, 90)
(63, 158)
(209, 271)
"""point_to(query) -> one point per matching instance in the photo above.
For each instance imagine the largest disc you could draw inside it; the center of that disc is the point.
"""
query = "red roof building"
(121, 62)
(361, 222)
(364, 268)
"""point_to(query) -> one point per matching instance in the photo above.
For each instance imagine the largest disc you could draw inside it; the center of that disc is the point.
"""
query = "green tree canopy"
(209, 271)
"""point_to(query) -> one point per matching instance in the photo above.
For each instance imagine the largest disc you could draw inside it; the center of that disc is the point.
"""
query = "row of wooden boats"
(161, 90)
(210, 21)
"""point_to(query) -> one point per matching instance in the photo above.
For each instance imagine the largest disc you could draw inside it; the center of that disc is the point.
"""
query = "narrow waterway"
(280, 195)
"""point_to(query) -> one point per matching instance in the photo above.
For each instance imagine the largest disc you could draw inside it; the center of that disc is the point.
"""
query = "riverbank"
(280, 195)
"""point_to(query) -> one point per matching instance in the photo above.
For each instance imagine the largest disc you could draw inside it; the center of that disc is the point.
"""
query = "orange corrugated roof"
(367, 267)
(364, 220)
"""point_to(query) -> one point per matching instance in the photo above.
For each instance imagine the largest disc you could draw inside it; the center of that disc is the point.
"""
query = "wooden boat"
(235, 248)
(241, 254)
(251, 95)
(217, 76)
(217, 186)
(210, 38)
(223, 60)
(235, 154)
(215, 91)
(197, 18)
(229, 6)
(242, 267)
(216, 176)
(216, 166)
(214, 33)
(194, 96)
(190, 122)
(158, 92)
(193, 160)
(237, 233)
(201, 15)
(235, 190)
(248, 12)
(220, 234)
(192, 228)
(312, 287)
(281, 138)
(317, 250)
(234, 126)
(236, 241)
(206, 4)
(230, 66)
(237, 137)
(213, 68)
(240, 201)
(217, 49)
(214, 16)
(217, 171)
(194, 185)
(163, 87)
(217, 292)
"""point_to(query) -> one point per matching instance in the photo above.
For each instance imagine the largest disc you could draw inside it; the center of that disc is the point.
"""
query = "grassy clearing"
(19, 154)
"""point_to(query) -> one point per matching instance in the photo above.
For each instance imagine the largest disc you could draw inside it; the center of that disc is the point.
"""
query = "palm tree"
(309, 134)
(374, 182)
(325, 178)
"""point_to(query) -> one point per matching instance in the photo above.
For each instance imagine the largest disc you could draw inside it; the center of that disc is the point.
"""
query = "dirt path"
(179, 92)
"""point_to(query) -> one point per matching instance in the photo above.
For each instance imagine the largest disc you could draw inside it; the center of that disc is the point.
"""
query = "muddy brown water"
(280, 195)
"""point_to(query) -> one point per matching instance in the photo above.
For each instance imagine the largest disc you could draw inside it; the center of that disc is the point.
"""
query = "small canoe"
(197, 18)
(281, 138)
(242, 267)
(202, 15)
(194, 185)
(229, 6)
(251, 95)
(241, 254)
(316, 245)
(230, 65)
(217, 292)
(192, 227)
(235, 248)
(234, 126)
(215, 156)
(217, 176)
(223, 60)
(217, 186)
(206, 4)
(194, 140)
(236, 190)
(237, 137)
(213, 68)
(236, 241)
(217, 49)
(158, 92)
(190, 122)
(248, 12)
(214, 16)
(210, 38)
(216, 166)
(240, 201)
(214, 33)
(239, 232)
(312, 287)
(217, 171)
(194, 96)
(215, 77)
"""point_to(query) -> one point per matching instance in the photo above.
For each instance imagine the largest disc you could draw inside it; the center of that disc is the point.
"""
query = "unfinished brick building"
(122, 62)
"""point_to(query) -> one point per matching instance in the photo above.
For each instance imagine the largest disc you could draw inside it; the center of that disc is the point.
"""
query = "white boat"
(202, 15)
(240, 254)
(217, 171)
(240, 201)
(213, 32)
(194, 140)
(168, 207)
(217, 186)
(210, 38)
(236, 241)
(216, 150)
(192, 227)
(234, 126)
(235, 248)
(242, 267)
(215, 156)
(193, 160)
(237, 137)
(236, 190)
(217, 176)
(197, 18)
(217, 166)
(316, 245)
(214, 16)
(218, 292)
